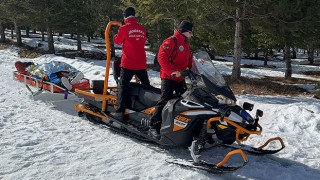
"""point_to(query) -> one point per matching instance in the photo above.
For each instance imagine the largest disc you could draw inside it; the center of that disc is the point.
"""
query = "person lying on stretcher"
(56, 72)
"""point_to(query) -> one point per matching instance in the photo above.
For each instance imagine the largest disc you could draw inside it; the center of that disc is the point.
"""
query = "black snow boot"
(154, 133)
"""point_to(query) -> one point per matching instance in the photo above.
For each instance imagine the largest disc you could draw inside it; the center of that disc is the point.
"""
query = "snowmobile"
(205, 116)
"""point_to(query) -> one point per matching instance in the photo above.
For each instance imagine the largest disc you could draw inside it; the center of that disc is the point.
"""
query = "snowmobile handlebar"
(189, 73)
(186, 73)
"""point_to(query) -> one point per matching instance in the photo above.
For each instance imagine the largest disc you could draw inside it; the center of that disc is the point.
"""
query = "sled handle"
(106, 77)
(272, 139)
(227, 157)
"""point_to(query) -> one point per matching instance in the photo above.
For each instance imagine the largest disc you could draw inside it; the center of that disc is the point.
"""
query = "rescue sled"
(53, 94)
(48, 86)
(205, 116)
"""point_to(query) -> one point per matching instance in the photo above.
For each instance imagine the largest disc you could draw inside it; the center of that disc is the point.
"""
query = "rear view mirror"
(247, 106)
(259, 113)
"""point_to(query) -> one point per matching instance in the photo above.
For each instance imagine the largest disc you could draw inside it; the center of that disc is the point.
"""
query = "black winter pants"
(125, 78)
(167, 88)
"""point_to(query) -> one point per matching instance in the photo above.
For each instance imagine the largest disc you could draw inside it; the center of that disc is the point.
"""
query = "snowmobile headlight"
(224, 100)
(247, 106)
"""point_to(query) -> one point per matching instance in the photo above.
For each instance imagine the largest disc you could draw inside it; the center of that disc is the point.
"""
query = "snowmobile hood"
(211, 78)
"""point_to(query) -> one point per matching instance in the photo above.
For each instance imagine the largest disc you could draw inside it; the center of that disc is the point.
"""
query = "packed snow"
(41, 141)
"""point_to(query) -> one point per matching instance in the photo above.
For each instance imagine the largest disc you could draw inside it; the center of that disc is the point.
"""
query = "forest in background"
(222, 26)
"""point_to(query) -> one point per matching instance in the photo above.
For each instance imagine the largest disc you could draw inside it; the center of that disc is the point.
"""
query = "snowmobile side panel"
(177, 127)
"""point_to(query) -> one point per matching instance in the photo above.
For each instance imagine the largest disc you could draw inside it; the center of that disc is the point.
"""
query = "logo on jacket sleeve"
(165, 47)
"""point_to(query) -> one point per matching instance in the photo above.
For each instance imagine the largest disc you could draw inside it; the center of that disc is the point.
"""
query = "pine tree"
(16, 11)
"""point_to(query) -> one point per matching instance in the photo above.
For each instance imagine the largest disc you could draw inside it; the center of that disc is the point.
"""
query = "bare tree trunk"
(42, 34)
(28, 32)
(2, 33)
(11, 26)
(294, 53)
(288, 73)
(265, 61)
(311, 56)
(236, 71)
(18, 34)
(50, 41)
(89, 39)
(102, 35)
(34, 31)
(256, 54)
(158, 35)
(78, 42)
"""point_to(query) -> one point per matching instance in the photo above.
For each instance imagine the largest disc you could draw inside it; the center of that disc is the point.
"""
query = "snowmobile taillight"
(247, 106)
(259, 113)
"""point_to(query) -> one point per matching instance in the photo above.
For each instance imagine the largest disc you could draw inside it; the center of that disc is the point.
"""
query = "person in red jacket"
(133, 37)
(174, 56)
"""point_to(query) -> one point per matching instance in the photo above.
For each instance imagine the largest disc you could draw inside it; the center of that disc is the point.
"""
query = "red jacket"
(133, 37)
(178, 60)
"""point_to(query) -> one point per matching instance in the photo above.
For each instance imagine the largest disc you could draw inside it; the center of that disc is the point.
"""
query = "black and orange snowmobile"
(204, 116)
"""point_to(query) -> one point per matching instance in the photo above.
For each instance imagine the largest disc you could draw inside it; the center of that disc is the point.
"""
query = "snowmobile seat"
(143, 97)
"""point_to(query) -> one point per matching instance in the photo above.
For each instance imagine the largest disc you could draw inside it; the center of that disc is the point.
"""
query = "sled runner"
(205, 115)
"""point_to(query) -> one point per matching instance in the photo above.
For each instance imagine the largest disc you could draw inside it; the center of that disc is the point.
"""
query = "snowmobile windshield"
(211, 78)
(207, 69)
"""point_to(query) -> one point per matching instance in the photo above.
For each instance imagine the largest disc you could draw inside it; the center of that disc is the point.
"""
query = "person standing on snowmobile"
(174, 56)
(133, 37)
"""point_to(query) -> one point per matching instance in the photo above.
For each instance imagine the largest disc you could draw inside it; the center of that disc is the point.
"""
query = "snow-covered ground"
(39, 141)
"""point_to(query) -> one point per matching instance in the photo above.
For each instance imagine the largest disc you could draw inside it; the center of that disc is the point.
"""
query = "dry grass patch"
(268, 86)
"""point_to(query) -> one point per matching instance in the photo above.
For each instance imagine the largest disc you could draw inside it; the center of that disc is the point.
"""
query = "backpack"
(174, 50)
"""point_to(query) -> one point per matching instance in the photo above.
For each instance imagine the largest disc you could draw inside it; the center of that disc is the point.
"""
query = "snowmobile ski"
(211, 168)
(259, 150)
